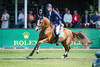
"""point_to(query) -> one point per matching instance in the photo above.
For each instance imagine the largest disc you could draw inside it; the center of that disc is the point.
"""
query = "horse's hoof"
(28, 57)
(62, 57)
(37, 52)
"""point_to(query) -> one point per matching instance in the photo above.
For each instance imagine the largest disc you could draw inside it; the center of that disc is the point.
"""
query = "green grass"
(46, 58)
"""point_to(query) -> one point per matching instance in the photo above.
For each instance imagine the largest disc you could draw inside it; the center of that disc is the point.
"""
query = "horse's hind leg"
(66, 45)
(66, 52)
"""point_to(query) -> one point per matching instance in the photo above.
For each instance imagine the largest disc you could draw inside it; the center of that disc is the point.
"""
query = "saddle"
(54, 32)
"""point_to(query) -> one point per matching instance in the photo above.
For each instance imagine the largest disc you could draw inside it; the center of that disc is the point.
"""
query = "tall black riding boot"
(57, 40)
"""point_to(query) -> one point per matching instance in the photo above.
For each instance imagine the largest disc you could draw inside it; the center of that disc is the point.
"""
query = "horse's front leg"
(37, 49)
(42, 41)
(32, 51)
(37, 45)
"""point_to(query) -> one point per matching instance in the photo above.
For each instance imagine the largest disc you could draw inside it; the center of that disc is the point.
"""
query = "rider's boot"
(57, 40)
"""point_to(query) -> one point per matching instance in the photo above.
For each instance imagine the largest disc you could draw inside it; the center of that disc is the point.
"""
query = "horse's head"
(42, 23)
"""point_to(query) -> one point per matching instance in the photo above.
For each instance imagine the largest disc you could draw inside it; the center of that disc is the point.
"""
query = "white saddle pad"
(61, 34)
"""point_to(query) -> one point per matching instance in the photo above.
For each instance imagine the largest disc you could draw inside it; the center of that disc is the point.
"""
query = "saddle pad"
(61, 34)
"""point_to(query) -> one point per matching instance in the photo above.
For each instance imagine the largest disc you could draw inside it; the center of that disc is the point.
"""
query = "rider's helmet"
(48, 5)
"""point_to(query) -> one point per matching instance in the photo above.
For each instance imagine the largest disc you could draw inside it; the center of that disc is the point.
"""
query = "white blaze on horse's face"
(39, 25)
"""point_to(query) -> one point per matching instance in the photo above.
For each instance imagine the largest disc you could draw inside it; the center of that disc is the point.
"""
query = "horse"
(47, 36)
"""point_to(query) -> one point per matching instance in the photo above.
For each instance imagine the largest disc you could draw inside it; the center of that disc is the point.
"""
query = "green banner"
(27, 38)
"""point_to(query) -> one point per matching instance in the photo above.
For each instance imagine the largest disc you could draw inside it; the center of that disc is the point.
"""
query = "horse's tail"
(82, 38)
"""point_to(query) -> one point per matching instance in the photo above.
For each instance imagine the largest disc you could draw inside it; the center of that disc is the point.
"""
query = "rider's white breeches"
(59, 29)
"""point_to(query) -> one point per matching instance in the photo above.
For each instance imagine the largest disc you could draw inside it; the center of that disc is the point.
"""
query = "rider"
(55, 19)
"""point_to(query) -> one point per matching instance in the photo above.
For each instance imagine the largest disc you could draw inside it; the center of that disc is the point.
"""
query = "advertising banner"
(27, 38)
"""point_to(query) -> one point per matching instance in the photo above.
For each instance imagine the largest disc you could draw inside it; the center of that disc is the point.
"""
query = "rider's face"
(49, 8)
(40, 12)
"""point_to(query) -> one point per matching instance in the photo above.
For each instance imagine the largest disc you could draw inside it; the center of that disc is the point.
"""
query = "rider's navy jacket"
(55, 18)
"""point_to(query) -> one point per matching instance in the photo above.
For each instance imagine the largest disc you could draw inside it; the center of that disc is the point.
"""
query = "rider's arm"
(58, 15)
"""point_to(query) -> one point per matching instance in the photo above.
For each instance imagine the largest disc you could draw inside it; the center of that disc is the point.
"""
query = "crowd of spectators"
(71, 19)
(75, 20)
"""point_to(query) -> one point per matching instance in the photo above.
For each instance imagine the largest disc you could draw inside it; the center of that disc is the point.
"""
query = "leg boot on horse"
(37, 50)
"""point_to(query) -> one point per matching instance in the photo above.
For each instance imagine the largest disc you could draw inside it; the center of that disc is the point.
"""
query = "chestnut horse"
(47, 36)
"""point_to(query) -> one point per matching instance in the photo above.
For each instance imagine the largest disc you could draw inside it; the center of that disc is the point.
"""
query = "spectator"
(40, 14)
(95, 18)
(5, 20)
(63, 13)
(76, 19)
(98, 23)
(57, 10)
(66, 9)
(34, 15)
(30, 19)
(86, 19)
(68, 19)
(21, 19)
(34, 21)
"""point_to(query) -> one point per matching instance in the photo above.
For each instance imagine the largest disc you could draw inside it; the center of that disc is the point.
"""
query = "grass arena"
(47, 58)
